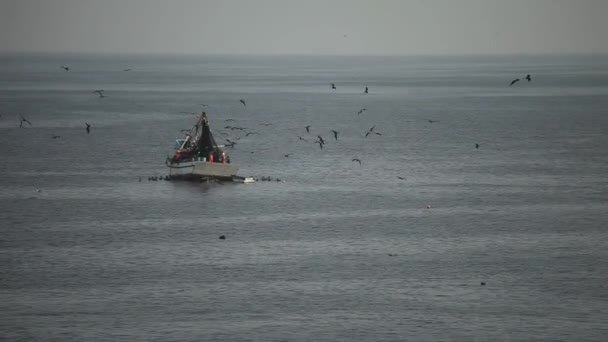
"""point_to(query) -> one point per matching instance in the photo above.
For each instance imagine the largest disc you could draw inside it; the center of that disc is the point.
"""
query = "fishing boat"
(198, 157)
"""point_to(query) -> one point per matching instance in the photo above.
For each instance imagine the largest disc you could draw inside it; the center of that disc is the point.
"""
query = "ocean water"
(336, 251)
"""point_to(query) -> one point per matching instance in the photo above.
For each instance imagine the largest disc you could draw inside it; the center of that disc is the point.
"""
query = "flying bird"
(88, 128)
(265, 124)
(528, 78)
(432, 121)
(320, 144)
(287, 155)
(308, 129)
(302, 138)
(514, 81)
(321, 139)
(335, 134)
(361, 111)
(126, 69)
(250, 133)
(402, 178)
(366, 90)
(371, 130)
(24, 120)
(65, 68)
(243, 102)
(476, 145)
(333, 86)
(356, 160)
(56, 136)
(100, 92)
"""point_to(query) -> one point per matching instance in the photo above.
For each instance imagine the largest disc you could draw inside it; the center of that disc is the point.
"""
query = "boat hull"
(202, 170)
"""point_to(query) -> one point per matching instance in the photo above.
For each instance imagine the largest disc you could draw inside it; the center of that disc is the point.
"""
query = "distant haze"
(305, 27)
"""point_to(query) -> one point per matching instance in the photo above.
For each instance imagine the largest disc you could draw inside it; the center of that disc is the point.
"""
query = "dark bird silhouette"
(302, 138)
(266, 124)
(371, 130)
(65, 68)
(320, 144)
(356, 160)
(308, 129)
(24, 120)
(335, 134)
(250, 133)
(402, 178)
(222, 237)
(361, 111)
(126, 69)
(366, 90)
(88, 128)
(432, 121)
(514, 81)
(243, 102)
(476, 145)
(100, 92)
(287, 155)
(56, 136)
(376, 133)
(333, 86)
(321, 139)
(528, 78)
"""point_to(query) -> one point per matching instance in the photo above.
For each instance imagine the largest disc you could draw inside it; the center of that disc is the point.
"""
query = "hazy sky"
(305, 26)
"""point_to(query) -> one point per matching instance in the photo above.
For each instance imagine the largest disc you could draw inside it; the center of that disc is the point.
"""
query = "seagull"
(366, 89)
(308, 129)
(88, 128)
(528, 77)
(476, 145)
(514, 81)
(371, 130)
(250, 133)
(361, 111)
(287, 155)
(100, 92)
(335, 134)
(243, 102)
(56, 136)
(356, 160)
(302, 138)
(431, 121)
(376, 133)
(333, 86)
(402, 178)
(321, 139)
(24, 120)
(65, 68)
(222, 237)
(320, 144)
(126, 69)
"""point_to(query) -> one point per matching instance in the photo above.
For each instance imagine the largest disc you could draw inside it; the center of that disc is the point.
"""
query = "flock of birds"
(232, 142)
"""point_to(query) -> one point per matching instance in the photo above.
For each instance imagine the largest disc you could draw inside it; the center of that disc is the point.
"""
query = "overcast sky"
(305, 26)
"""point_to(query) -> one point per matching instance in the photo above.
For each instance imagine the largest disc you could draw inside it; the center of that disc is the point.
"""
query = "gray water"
(333, 252)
